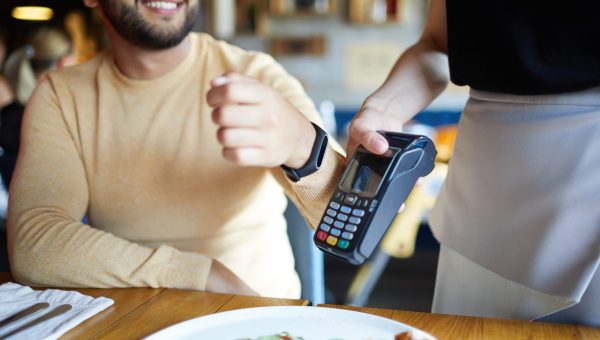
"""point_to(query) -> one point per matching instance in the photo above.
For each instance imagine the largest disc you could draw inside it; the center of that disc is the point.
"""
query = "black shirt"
(524, 47)
(10, 133)
(11, 117)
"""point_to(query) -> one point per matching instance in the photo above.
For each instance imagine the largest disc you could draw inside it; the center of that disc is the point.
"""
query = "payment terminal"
(370, 192)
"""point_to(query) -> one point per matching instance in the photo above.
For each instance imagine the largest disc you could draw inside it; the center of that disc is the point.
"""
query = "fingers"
(374, 142)
(227, 78)
(370, 139)
(234, 93)
(234, 88)
(257, 126)
(239, 116)
(239, 137)
(245, 156)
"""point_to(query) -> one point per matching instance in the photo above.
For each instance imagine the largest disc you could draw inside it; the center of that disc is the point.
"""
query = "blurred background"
(341, 51)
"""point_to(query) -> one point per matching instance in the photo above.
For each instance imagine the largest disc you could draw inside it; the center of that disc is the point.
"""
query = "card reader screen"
(364, 174)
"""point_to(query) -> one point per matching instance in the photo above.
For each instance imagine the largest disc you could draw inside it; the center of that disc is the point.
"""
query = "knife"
(53, 313)
(25, 312)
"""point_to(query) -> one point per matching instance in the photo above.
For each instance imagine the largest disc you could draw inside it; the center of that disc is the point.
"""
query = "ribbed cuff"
(317, 188)
(188, 271)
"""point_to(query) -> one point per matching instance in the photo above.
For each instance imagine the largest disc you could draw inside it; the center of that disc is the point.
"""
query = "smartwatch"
(314, 160)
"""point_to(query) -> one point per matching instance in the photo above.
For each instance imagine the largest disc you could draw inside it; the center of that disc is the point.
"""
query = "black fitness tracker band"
(314, 161)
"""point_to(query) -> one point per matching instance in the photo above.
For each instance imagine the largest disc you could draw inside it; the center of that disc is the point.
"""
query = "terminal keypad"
(343, 218)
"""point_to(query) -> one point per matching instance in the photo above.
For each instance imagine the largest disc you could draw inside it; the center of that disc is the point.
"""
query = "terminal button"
(351, 228)
(332, 240)
(343, 244)
(342, 217)
(339, 224)
(347, 235)
(355, 220)
(350, 199)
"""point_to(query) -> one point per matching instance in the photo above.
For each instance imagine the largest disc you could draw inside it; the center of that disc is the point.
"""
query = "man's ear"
(91, 3)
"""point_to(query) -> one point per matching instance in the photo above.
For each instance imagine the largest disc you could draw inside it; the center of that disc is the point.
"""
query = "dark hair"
(3, 42)
(3, 36)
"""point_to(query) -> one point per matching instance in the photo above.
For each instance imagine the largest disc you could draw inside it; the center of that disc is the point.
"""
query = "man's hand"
(363, 129)
(258, 127)
(223, 280)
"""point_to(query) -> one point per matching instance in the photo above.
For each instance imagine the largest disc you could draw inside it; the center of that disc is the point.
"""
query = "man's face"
(151, 24)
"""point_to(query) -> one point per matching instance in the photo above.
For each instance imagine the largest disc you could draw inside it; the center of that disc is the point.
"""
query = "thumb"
(370, 139)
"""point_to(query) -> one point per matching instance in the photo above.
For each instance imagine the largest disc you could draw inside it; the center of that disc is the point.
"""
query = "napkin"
(15, 297)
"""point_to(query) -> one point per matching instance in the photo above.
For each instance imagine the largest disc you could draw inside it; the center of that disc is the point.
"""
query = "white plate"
(309, 323)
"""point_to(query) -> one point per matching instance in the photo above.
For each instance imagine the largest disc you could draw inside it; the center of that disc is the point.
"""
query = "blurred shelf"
(302, 7)
(374, 12)
(251, 17)
(298, 46)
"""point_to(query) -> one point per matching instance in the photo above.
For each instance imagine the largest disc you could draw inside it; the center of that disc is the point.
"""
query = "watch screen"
(364, 174)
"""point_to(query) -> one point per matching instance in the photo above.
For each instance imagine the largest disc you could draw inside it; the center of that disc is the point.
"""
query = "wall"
(376, 47)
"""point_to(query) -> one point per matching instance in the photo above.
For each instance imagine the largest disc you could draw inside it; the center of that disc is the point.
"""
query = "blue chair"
(309, 260)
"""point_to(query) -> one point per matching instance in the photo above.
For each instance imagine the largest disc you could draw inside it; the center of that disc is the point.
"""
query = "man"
(171, 145)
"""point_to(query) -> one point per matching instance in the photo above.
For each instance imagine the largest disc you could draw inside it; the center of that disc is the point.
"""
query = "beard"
(132, 26)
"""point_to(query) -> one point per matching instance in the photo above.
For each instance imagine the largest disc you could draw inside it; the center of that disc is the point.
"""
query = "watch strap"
(314, 160)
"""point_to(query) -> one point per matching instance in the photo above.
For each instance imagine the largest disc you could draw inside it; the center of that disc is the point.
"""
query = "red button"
(321, 236)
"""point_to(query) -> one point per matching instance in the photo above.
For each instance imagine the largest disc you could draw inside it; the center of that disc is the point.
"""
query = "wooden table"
(139, 312)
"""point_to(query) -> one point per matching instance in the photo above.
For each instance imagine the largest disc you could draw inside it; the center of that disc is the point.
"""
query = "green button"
(343, 244)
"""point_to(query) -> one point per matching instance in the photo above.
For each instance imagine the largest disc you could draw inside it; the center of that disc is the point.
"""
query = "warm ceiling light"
(32, 13)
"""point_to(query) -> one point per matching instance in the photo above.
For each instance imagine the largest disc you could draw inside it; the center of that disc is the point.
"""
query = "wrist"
(387, 108)
(303, 149)
(222, 280)
(376, 103)
(315, 157)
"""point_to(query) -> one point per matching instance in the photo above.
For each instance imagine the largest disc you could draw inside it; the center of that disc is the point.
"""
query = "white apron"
(522, 203)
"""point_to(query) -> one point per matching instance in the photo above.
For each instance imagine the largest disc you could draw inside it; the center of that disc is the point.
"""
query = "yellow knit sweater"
(141, 160)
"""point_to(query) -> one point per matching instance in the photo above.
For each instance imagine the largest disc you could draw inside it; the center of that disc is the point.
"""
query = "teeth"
(161, 4)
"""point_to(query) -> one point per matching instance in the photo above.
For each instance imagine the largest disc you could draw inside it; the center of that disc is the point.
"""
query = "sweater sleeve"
(48, 243)
(312, 193)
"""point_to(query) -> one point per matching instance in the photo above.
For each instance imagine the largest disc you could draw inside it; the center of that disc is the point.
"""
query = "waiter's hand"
(371, 118)
(363, 129)
(257, 126)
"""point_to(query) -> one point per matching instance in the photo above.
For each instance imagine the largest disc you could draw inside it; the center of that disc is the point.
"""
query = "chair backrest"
(4, 266)
(309, 260)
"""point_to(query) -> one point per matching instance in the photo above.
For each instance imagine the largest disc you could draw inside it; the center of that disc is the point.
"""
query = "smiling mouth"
(162, 5)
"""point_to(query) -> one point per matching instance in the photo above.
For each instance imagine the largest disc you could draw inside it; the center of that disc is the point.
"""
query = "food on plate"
(287, 336)
(403, 336)
(280, 336)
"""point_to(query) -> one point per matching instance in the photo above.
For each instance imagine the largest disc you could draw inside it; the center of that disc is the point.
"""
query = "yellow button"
(332, 240)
